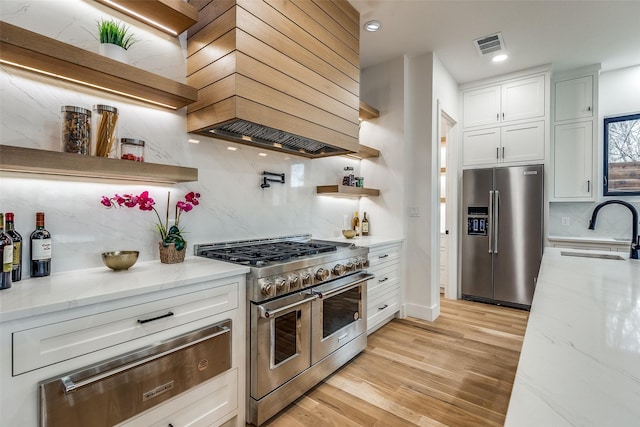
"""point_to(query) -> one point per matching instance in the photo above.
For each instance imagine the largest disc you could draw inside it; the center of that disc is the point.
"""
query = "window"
(622, 155)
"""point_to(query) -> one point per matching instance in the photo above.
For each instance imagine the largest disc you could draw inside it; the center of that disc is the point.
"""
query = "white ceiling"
(565, 33)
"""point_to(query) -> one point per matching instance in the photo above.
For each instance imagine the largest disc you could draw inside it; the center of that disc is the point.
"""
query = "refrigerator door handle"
(496, 200)
(490, 222)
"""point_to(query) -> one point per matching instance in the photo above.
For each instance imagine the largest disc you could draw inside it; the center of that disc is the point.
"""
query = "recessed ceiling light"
(500, 58)
(373, 25)
(230, 148)
(262, 154)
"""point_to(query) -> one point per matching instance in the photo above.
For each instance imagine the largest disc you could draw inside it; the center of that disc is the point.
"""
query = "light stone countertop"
(60, 291)
(580, 360)
(607, 240)
(368, 241)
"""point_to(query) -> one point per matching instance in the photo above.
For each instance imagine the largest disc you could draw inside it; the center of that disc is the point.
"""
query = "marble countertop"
(580, 360)
(583, 239)
(365, 240)
(60, 291)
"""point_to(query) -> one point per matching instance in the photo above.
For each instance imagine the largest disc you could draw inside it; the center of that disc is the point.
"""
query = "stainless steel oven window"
(285, 331)
(340, 310)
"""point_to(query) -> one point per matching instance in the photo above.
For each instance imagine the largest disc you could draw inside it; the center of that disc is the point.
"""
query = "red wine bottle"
(6, 253)
(40, 249)
(16, 270)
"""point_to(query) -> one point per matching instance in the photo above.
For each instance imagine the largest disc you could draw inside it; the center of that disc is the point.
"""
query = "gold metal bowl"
(349, 234)
(120, 260)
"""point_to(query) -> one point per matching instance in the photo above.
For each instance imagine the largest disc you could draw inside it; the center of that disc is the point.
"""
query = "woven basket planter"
(169, 254)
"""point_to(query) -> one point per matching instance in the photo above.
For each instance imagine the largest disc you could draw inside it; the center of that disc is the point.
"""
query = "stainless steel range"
(306, 314)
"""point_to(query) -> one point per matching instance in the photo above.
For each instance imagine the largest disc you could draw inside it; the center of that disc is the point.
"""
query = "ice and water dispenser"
(477, 220)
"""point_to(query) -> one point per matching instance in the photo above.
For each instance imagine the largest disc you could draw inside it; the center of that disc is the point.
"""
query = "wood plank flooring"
(456, 371)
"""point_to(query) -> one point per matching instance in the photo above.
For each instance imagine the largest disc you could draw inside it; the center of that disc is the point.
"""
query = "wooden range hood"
(279, 74)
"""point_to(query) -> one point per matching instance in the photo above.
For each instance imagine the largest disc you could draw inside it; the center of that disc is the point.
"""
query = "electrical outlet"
(566, 221)
(413, 211)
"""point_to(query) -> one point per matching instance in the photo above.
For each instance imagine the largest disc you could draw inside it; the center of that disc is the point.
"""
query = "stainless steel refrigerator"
(502, 228)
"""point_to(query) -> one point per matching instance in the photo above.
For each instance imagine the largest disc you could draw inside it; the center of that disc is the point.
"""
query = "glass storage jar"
(132, 149)
(105, 131)
(76, 130)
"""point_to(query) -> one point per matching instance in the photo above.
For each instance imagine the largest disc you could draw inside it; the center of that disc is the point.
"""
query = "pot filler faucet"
(635, 238)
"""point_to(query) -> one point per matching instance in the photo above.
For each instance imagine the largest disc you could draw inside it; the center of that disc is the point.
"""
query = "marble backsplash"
(613, 221)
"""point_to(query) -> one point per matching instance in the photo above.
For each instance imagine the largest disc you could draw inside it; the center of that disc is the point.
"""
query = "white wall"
(619, 94)
(233, 206)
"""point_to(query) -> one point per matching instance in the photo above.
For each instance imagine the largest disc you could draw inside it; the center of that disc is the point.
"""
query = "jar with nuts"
(76, 130)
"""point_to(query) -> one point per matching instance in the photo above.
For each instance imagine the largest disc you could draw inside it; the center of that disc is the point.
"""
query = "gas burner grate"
(260, 254)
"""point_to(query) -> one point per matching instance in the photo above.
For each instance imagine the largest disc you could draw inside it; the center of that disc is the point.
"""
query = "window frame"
(605, 170)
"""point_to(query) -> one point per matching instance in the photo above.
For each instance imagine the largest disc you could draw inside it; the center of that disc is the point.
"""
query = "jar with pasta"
(76, 130)
(105, 130)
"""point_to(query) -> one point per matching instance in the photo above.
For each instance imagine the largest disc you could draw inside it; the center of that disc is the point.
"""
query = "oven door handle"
(267, 313)
(330, 292)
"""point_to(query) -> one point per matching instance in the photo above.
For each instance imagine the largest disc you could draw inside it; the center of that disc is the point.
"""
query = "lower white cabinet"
(573, 167)
(53, 344)
(384, 290)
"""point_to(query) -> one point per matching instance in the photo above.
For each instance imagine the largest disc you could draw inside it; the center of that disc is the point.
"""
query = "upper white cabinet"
(507, 144)
(574, 136)
(573, 98)
(519, 99)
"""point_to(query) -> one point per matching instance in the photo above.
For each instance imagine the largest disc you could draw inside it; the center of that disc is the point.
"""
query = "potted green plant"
(115, 39)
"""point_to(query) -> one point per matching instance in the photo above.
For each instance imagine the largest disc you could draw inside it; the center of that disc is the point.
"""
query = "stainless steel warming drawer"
(117, 389)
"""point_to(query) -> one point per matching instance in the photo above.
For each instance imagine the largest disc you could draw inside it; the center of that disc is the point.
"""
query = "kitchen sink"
(592, 255)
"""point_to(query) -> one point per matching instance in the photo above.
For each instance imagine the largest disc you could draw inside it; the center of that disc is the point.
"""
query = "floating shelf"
(30, 160)
(346, 191)
(34, 52)
(364, 152)
(367, 112)
(171, 16)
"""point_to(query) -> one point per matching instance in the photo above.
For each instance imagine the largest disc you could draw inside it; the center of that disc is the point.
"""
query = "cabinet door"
(574, 98)
(573, 161)
(522, 143)
(480, 147)
(481, 106)
(523, 99)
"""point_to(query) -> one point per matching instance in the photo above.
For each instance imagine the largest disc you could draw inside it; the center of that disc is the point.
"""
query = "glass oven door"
(339, 314)
(280, 341)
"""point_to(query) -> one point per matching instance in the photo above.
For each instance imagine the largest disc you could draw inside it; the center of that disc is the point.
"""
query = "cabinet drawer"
(386, 277)
(200, 406)
(45, 345)
(383, 254)
(381, 307)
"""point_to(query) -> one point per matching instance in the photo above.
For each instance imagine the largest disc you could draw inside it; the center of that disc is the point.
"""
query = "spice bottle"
(132, 149)
(105, 130)
(76, 130)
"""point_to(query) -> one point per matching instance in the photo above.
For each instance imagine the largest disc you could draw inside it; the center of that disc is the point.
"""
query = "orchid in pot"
(168, 234)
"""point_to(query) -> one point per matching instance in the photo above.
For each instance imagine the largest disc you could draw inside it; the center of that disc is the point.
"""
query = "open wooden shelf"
(367, 112)
(176, 16)
(30, 160)
(346, 191)
(34, 52)
(364, 152)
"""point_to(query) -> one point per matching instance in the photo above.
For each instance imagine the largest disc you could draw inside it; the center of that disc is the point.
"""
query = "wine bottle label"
(16, 254)
(40, 249)
(365, 227)
(7, 258)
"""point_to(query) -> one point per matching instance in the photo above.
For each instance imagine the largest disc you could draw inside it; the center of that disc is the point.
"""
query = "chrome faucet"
(635, 238)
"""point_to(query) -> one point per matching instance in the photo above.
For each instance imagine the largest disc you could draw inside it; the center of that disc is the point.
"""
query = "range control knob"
(322, 274)
(267, 288)
(365, 263)
(350, 266)
(338, 269)
(358, 262)
(294, 281)
(281, 285)
(306, 278)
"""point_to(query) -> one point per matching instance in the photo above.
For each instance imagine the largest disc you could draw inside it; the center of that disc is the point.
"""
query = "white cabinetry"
(52, 326)
(520, 99)
(574, 137)
(383, 291)
(507, 123)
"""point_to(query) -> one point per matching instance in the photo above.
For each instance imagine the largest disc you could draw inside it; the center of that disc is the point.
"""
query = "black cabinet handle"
(383, 256)
(383, 307)
(383, 280)
(141, 321)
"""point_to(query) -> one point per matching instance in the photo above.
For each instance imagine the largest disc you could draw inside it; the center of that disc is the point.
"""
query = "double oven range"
(306, 313)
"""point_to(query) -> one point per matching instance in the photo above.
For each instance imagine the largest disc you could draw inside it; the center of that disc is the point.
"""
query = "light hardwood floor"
(456, 371)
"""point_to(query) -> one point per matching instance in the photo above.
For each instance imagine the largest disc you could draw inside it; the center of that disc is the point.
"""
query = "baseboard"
(421, 311)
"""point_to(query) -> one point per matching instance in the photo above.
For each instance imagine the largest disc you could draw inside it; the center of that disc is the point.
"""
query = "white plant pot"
(113, 51)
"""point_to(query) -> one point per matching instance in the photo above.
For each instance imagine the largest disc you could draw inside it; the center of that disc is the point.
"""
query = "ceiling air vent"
(490, 44)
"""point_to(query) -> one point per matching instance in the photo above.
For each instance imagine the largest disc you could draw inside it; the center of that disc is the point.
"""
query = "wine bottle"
(6, 253)
(365, 225)
(16, 270)
(355, 222)
(40, 249)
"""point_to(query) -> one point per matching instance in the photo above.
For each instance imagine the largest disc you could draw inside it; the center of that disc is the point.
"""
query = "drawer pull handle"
(142, 321)
(383, 307)
(383, 256)
(383, 280)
